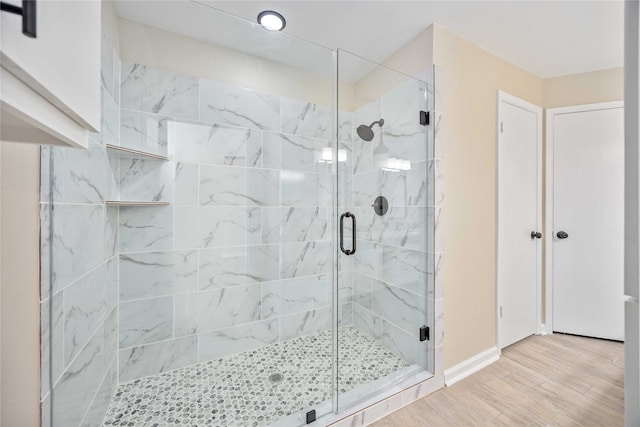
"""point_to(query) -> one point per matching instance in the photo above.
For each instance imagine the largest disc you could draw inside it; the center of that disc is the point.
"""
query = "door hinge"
(501, 127)
(424, 118)
(500, 311)
(424, 333)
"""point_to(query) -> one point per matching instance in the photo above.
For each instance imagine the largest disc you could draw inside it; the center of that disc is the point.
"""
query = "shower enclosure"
(248, 241)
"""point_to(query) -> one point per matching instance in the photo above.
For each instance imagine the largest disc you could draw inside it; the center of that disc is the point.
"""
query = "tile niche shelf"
(134, 203)
(130, 153)
(133, 154)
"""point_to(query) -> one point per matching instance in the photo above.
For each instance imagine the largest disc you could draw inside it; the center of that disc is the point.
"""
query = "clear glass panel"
(212, 303)
(383, 286)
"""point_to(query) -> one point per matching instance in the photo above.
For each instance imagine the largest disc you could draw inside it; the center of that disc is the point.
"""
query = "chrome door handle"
(353, 233)
(536, 235)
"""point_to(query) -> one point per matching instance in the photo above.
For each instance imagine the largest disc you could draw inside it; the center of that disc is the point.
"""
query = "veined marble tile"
(403, 226)
(345, 314)
(153, 274)
(305, 118)
(231, 105)
(408, 347)
(216, 309)
(404, 309)
(146, 180)
(110, 231)
(367, 258)
(405, 268)
(295, 153)
(365, 216)
(146, 228)
(138, 362)
(401, 105)
(106, 63)
(57, 336)
(45, 412)
(238, 265)
(362, 288)
(116, 76)
(98, 408)
(86, 175)
(305, 259)
(77, 387)
(144, 132)
(367, 321)
(345, 126)
(435, 183)
(145, 321)
(111, 333)
(306, 189)
(405, 188)
(152, 90)
(406, 142)
(295, 295)
(216, 144)
(109, 120)
(434, 222)
(87, 303)
(233, 186)
(366, 187)
(45, 343)
(212, 226)
(299, 324)
(238, 339)
(45, 248)
(295, 224)
(438, 329)
(73, 227)
(345, 286)
(186, 184)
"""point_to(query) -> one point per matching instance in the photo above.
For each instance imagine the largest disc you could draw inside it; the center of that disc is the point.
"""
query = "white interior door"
(519, 212)
(588, 206)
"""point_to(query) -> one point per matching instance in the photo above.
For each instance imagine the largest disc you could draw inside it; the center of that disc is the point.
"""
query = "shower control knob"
(562, 235)
(536, 235)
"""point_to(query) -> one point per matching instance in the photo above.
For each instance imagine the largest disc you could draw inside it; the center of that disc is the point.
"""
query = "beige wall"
(170, 51)
(584, 88)
(472, 78)
(20, 311)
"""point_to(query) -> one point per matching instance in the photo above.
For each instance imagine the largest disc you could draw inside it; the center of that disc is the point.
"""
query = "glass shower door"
(384, 314)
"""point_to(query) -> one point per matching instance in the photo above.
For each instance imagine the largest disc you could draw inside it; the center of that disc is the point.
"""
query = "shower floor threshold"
(254, 388)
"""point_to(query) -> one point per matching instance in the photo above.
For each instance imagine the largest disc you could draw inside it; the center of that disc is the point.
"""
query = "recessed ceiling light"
(271, 20)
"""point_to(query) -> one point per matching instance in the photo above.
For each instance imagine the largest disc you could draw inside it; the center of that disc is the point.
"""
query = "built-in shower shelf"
(134, 203)
(134, 154)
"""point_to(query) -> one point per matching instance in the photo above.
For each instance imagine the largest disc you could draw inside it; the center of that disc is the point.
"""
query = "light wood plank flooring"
(559, 380)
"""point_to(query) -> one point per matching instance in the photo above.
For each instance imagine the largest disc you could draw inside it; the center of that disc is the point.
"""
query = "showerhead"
(365, 132)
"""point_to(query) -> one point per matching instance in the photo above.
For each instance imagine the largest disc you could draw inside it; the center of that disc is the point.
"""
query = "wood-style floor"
(558, 380)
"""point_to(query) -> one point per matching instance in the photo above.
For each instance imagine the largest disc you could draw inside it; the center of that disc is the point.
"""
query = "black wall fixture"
(381, 205)
(28, 13)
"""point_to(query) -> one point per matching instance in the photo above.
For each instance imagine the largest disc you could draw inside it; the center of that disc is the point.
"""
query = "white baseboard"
(471, 366)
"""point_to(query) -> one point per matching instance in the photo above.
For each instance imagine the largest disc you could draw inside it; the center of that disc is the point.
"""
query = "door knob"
(536, 235)
(562, 235)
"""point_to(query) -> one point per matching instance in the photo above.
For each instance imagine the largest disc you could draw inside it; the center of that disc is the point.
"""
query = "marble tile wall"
(242, 257)
(392, 265)
(79, 265)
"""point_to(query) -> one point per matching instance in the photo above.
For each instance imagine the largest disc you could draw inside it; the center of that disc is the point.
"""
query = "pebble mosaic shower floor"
(246, 390)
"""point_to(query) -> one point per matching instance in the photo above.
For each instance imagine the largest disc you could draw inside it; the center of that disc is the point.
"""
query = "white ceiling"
(546, 38)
